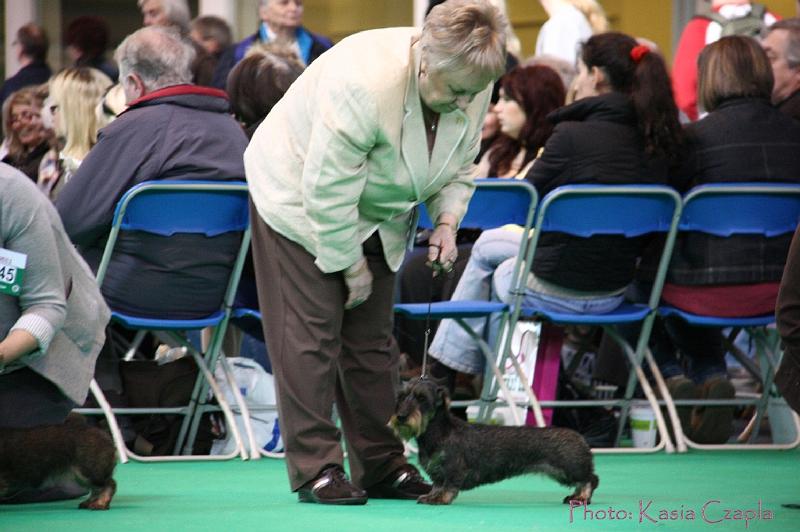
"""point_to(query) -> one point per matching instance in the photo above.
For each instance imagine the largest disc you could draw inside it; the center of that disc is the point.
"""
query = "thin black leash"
(424, 373)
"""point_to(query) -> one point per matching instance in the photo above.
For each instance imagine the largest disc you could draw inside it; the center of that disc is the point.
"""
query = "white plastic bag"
(524, 344)
(258, 389)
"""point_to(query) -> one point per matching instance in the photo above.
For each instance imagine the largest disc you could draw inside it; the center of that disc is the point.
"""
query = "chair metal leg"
(677, 428)
(768, 351)
(224, 406)
(111, 419)
(137, 341)
(488, 355)
(635, 359)
(241, 404)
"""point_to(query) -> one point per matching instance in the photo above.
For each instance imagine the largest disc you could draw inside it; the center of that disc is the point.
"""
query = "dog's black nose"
(401, 417)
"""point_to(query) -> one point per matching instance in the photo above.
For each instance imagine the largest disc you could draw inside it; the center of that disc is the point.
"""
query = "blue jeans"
(488, 277)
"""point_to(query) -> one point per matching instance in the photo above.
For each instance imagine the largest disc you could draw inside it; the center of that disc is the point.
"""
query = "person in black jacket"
(623, 128)
(742, 139)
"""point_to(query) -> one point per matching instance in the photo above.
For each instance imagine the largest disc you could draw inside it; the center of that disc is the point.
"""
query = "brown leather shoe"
(681, 387)
(405, 482)
(331, 487)
(714, 424)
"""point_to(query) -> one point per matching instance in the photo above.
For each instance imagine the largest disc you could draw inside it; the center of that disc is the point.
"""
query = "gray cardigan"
(59, 304)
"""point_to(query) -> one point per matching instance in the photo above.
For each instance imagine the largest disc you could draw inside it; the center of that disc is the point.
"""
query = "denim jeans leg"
(451, 345)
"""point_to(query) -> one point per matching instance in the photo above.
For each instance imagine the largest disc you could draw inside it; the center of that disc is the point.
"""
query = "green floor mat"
(696, 491)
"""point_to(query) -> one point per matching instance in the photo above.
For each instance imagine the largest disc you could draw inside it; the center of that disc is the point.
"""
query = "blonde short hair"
(76, 92)
(731, 67)
(465, 33)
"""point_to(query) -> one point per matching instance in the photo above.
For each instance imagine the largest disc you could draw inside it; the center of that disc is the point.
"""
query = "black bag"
(147, 384)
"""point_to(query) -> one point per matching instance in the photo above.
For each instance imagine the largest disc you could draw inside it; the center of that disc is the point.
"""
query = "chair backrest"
(723, 209)
(625, 210)
(496, 202)
(169, 207)
(172, 207)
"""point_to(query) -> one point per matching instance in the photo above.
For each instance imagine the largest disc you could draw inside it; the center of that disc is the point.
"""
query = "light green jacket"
(345, 153)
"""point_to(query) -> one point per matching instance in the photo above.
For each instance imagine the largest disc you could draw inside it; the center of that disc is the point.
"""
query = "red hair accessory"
(639, 51)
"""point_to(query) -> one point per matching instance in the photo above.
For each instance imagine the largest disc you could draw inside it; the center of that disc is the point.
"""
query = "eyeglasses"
(24, 116)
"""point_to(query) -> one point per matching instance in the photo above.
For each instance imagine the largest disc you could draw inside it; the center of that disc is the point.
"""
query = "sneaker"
(405, 482)
(331, 486)
(714, 424)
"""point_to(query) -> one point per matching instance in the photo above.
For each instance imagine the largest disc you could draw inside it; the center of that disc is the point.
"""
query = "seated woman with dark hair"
(254, 86)
(622, 128)
(742, 139)
(527, 96)
(258, 81)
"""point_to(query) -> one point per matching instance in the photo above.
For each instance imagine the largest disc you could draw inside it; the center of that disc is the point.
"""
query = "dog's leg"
(439, 495)
(100, 498)
(583, 491)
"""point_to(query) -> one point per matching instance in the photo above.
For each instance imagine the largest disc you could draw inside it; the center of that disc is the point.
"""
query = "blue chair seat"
(245, 313)
(451, 309)
(713, 321)
(625, 313)
(154, 324)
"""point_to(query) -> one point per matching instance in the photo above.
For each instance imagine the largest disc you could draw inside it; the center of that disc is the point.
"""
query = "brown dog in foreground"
(459, 455)
(42, 456)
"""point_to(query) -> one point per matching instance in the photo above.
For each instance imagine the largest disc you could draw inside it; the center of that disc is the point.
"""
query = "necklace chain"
(431, 119)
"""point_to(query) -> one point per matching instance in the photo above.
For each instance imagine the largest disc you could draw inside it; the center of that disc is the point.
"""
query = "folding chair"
(496, 202)
(768, 209)
(242, 315)
(585, 211)
(167, 208)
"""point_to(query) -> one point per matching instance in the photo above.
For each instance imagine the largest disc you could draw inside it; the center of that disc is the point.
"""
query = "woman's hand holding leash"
(442, 250)
(358, 279)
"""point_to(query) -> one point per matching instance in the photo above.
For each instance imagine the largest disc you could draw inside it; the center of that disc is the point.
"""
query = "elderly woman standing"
(385, 120)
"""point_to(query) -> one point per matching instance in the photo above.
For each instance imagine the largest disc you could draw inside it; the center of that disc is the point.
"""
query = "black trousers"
(28, 400)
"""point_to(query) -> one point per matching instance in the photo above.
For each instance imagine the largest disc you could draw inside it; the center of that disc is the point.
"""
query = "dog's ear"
(442, 397)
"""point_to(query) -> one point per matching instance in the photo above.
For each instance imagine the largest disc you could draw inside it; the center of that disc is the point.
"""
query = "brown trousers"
(787, 378)
(322, 353)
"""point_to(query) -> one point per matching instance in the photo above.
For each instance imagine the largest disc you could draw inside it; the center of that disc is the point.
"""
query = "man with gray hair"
(165, 13)
(175, 14)
(282, 23)
(171, 130)
(781, 42)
